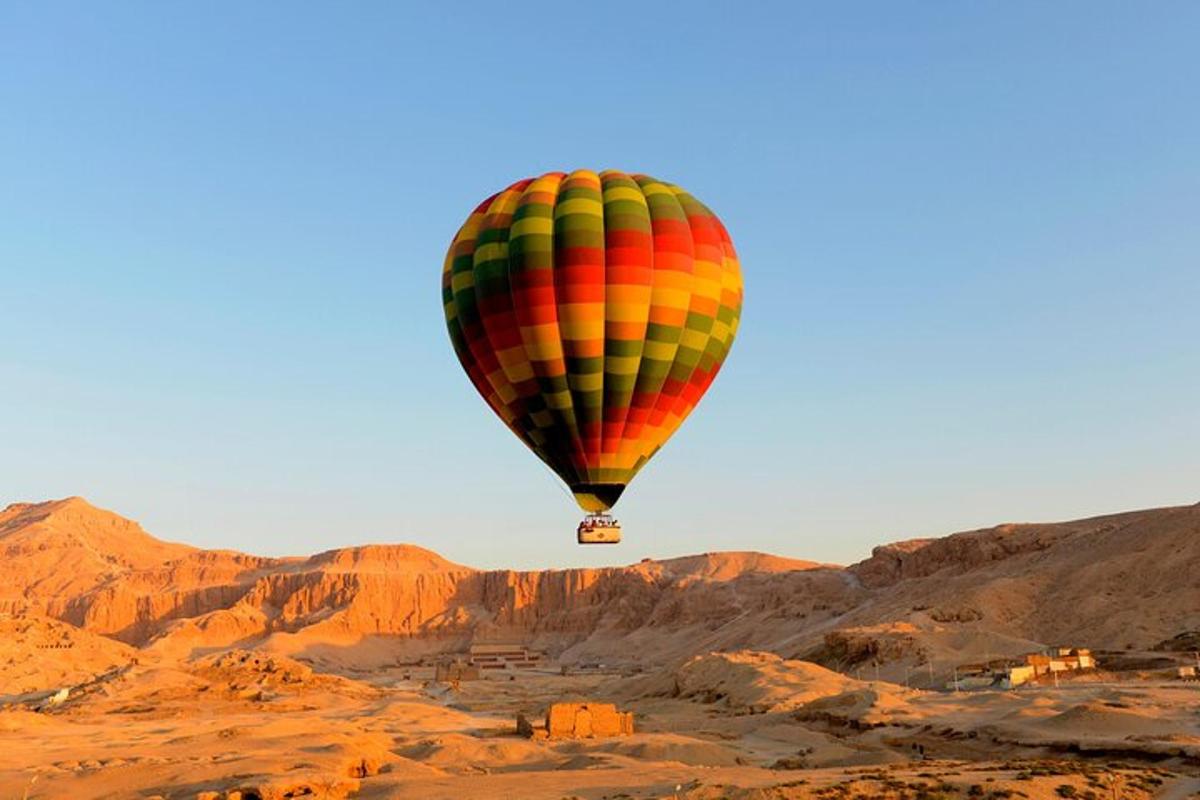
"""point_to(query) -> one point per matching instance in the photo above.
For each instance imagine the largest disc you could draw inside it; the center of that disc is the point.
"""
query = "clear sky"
(970, 234)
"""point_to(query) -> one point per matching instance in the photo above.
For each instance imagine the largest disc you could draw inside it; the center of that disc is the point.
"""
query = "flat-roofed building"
(492, 656)
(1015, 676)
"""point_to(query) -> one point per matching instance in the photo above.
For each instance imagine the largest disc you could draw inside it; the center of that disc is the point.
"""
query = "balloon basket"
(598, 529)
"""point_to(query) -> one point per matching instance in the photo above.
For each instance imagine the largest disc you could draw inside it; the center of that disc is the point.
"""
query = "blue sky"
(968, 231)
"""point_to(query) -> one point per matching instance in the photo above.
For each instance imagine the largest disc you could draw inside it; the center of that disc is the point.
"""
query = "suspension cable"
(557, 480)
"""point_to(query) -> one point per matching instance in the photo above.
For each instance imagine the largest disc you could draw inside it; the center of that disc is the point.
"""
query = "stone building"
(455, 671)
(580, 721)
(586, 720)
(503, 656)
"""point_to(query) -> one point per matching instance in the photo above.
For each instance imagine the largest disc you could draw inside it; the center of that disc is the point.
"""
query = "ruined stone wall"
(587, 720)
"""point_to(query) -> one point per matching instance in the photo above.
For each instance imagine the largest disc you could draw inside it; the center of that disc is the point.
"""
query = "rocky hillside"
(1105, 582)
(1112, 581)
(57, 550)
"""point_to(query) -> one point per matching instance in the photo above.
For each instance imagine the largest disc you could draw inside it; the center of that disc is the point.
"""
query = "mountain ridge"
(1092, 581)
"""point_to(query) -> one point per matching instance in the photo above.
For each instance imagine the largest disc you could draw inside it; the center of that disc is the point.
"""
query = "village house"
(1032, 666)
(1068, 658)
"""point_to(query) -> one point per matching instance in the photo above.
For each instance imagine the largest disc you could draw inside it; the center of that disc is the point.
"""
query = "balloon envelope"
(592, 311)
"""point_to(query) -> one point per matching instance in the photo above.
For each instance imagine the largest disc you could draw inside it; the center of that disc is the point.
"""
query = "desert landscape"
(133, 667)
(422, 307)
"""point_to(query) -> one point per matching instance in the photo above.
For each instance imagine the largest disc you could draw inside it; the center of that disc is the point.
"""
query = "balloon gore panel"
(591, 311)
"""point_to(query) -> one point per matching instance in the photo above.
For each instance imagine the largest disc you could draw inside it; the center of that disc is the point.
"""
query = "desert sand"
(132, 667)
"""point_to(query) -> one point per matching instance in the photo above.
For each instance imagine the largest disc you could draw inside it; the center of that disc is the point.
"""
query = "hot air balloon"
(591, 312)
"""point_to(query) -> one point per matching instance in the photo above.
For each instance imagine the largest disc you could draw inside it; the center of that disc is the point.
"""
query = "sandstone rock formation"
(1106, 582)
(38, 539)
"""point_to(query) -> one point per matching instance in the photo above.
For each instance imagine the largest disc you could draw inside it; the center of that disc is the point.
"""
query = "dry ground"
(718, 728)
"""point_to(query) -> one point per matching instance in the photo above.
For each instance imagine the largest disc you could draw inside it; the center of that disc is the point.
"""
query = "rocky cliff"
(1105, 582)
